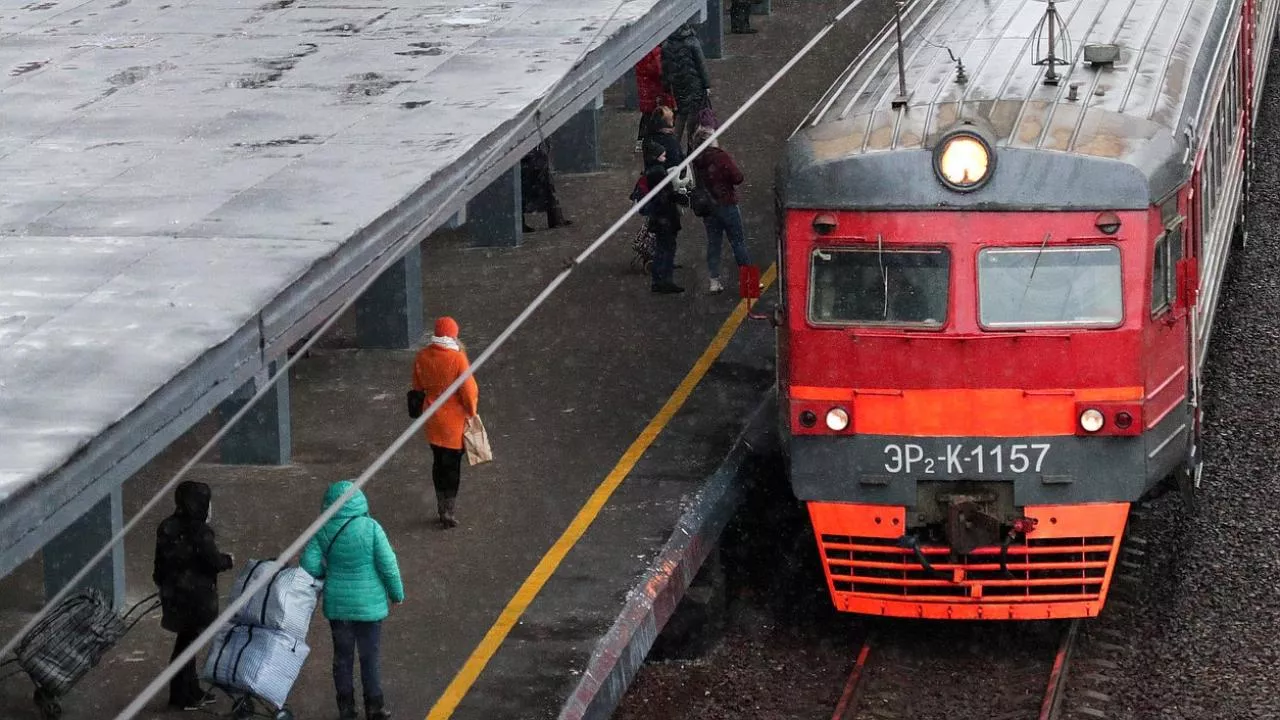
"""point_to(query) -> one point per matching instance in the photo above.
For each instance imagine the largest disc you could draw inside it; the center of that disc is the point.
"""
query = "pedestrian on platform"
(684, 71)
(537, 192)
(187, 564)
(355, 559)
(649, 91)
(662, 131)
(664, 219)
(716, 171)
(435, 368)
(740, 18)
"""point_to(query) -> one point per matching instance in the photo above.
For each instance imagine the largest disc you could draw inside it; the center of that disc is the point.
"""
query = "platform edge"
(651, 602)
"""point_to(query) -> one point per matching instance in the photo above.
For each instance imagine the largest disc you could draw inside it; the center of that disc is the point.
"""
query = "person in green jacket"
(355, 559)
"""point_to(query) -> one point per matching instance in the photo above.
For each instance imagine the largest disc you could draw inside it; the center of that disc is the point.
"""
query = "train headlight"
(963, 161)
(837, 419)
(1091, 420)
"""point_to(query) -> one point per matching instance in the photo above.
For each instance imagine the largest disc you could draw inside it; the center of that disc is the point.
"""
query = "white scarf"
(445, 342)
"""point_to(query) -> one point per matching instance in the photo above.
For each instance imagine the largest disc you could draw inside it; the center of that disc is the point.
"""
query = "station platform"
(607, 386)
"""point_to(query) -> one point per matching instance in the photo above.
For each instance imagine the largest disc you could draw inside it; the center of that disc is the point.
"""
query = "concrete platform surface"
(563, 402)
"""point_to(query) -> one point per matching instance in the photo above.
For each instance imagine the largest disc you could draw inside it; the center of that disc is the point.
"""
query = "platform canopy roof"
(188, 186)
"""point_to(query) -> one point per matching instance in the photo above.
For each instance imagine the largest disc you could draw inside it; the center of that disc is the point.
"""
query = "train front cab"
(973, 400)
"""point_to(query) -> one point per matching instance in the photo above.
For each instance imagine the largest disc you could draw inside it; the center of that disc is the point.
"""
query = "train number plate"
(966, 458)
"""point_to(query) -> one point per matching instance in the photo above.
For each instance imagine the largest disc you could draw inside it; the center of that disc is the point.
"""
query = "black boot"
(347, 707)
(373, 709)
(446, 514)
(443, 509)
(556, 218)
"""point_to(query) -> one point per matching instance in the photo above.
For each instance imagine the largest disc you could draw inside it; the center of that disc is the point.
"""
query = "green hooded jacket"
(360, 572)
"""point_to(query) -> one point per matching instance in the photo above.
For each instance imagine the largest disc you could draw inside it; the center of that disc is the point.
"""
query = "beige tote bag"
(476, 440)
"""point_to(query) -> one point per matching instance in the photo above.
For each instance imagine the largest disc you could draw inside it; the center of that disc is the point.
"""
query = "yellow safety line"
(532, 585)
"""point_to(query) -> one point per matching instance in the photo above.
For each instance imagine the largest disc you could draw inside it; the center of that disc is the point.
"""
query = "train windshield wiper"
(1034, 265)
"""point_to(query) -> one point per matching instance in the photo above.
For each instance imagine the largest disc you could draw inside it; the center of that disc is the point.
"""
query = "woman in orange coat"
(435, 368)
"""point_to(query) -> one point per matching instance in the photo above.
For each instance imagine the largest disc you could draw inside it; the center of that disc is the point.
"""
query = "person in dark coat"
(187, 564)
(662, 131)
(537, 192)
(716, 171)
(684, 71)
(649, 92)
(664, 219)
(740, 18)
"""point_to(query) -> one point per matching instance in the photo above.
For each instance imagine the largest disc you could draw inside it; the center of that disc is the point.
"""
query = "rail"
(875, 667)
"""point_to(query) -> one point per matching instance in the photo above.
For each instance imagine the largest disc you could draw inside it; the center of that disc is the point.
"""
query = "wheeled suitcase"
(264, 663)
(286, 603)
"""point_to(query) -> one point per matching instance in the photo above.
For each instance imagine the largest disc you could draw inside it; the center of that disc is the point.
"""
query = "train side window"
(1161, 295)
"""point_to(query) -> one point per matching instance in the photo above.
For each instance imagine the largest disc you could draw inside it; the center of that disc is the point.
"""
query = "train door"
(1169, 359)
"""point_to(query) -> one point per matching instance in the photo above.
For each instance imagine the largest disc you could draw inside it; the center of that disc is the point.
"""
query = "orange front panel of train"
(964, 412)
(1061, 569)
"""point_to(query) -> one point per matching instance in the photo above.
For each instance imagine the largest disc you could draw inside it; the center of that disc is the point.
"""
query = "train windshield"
(1050, 287)
(879, 287)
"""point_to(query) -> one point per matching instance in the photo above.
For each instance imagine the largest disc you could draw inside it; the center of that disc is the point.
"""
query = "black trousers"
(446, 470)
(739, 14)
(185, 688)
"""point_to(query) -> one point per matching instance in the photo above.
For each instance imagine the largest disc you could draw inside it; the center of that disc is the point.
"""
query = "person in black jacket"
(684, 71)
(662, 131)
(537, 191)
(664, 219)
(187, 564)
(740, 17)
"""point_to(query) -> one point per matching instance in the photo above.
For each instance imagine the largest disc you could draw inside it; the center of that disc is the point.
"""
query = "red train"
(1002, 241)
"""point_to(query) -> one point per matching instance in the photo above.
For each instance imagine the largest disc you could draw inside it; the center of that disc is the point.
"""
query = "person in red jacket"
(434, 369)
(716, 171)
(649, 91)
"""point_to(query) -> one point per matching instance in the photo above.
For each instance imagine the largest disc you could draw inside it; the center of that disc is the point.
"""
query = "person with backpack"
(187, 563)
(718, 176)
(663, 212)
(684, 72)
(353, 556)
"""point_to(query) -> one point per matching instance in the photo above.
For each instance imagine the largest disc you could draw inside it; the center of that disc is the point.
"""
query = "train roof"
(1121, 144)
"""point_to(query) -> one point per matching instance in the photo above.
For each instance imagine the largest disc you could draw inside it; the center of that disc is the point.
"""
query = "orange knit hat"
(446, 327)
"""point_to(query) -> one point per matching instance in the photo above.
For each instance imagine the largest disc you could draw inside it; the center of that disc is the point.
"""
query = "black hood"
(192, 499)
(684, 31)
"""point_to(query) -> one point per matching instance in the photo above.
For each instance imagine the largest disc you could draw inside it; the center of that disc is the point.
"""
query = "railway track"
(1013, 671)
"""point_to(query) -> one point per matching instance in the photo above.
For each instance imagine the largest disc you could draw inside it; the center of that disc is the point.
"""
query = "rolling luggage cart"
(69, 642)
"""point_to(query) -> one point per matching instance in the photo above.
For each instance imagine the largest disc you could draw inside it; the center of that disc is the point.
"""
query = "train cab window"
(1050, 287)
(879, 287)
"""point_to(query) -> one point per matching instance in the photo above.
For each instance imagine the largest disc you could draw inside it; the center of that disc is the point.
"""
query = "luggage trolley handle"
(140, 609)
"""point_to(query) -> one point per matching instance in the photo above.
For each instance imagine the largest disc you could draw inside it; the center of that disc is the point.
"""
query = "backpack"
(701, 200)
(638, 192)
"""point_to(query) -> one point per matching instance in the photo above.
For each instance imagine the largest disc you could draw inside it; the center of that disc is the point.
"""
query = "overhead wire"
(393, 255)
(260, 581)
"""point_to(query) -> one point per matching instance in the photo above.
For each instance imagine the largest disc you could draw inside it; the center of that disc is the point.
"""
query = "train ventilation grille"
(1059, 569)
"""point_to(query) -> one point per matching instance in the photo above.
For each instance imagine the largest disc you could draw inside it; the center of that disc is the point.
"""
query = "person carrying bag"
(435, 368)
(361, 574)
